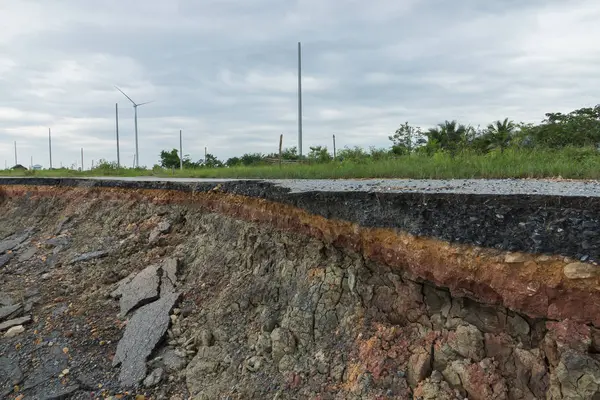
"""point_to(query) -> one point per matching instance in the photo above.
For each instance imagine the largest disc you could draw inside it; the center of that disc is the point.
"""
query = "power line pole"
(334, 148)
(300, 99)
(82, 159)
(180, 151)
(117, 128)
(50, 146)
(16, 161)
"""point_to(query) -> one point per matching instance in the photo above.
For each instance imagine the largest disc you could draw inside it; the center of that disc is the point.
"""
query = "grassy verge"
(567, 163)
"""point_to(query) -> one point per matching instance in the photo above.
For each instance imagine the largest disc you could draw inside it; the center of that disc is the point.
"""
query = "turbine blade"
(125, 95)
(148, 102)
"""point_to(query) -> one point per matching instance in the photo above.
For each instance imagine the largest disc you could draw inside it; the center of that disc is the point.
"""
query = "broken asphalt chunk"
(7, 311)
(13, 241)
(145, 329)
(142, 289)
(89, 256)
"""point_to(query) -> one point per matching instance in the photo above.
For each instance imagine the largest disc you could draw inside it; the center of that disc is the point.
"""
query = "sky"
(225, 71)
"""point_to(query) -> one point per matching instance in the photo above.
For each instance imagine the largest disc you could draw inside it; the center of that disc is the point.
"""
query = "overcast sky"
(224, 71)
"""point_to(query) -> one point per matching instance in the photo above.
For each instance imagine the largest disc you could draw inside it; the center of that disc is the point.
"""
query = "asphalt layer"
(537, 216)
(462, 186)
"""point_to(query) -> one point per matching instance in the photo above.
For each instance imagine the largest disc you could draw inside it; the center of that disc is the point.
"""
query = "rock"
(142, 289)
(89, 256)
(172, 361)
(13, 241)
(5, 299)
(145, 329)
(62, 394)
(5, 258)
(153, 378)
(161, 228)
(10, 373)
(254, 363)
(419, 366)
(467, 341)
(7, 311)
(14, 331)
(27, 254)
(207, 361)
(282, 343)
(205, 338)
(577, 376)
(580, 270)
(14, 322)
(515, 258)
(263, 344)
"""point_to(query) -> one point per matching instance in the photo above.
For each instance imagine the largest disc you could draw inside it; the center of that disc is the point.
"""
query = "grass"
(571, 163)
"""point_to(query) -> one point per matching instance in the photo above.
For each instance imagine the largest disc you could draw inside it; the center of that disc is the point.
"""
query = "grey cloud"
(224, 71)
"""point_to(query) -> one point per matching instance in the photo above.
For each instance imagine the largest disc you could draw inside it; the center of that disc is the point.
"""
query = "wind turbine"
(135, 106)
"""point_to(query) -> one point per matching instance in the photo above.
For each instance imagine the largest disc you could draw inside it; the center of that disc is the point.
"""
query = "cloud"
(225, 71)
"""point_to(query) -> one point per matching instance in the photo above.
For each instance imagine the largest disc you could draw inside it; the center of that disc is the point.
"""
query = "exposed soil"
(278, 304)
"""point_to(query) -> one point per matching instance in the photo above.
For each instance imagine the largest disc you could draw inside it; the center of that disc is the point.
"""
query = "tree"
(406, 138)
(319, 154)
(212, 162)
(169, 159)
(233, 162)
(500, 133)
(450, 136)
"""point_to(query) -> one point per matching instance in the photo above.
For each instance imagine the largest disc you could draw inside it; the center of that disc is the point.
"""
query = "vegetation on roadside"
(562, 145)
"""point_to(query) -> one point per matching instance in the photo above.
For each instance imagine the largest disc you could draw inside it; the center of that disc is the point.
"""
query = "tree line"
(579, 128)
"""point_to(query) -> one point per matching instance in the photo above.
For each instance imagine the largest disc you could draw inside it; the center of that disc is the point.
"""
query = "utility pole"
(180, 151)
(16, 161)
(334, 147)
(117, 129)
(31, 164)
(82, 159)
(205, 155)
(300, 99)
(50, 146)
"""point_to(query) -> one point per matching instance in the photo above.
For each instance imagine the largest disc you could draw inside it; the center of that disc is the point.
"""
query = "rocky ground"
(113, 295)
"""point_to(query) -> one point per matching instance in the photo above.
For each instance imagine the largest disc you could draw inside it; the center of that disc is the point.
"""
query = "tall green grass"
(571, 163)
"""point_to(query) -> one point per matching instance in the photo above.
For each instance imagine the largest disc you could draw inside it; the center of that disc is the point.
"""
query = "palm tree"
(501, 133)
(450, 136)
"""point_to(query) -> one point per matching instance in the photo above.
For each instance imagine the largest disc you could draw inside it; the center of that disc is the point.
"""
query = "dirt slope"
(261, 311)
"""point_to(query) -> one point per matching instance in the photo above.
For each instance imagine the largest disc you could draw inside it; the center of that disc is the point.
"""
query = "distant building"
(37, 167)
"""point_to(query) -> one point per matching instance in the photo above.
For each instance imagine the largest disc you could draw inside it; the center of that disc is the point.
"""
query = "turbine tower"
(135, 106)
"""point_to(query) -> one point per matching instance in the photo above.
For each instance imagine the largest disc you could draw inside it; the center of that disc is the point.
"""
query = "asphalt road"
(464, 186)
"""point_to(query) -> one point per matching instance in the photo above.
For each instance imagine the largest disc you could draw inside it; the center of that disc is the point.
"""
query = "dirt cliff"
(212, 295)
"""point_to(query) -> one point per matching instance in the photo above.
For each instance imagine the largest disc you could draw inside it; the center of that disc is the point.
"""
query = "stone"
(6, 300)
(205, 338)
(419, 366)
(10, 373)
(577, 376)
(254, 363)
(7, 311)
(5, 259)
(144, 330)
(13, 241)
(579, 270)
(27, 254)
(89, 256)
(515, 258)
(172, 361)
(467, 341)
(65, 393)
(14, 322)
(14, 331)
(153, 378)
(282, 343)
(142, 289)
(162, 228)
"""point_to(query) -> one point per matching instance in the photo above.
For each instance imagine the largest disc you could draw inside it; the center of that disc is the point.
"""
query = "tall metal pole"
(50, 146)
(16, 161)
(205, 155)
(300, 99)
(137, 154)
(82, 159)
(180, 151)
(117, 129)
(334, 148)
